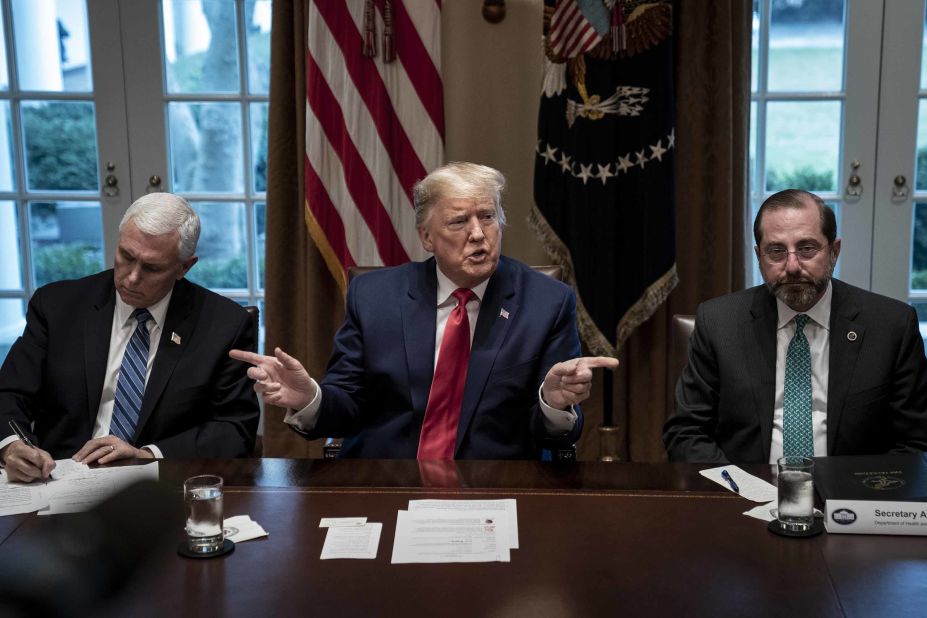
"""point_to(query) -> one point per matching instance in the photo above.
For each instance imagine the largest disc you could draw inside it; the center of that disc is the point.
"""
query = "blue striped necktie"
(797, 431)
(130, 389)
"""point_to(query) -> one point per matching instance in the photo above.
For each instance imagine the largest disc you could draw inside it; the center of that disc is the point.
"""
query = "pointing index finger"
(248, 357)
(606, 362)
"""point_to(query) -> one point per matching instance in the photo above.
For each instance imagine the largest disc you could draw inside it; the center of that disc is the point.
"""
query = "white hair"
(162, 213)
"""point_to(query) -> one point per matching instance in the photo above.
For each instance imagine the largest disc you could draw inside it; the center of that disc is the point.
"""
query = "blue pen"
(730, 481)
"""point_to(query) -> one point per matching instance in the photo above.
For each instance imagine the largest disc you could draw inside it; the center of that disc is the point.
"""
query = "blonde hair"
(461, 180)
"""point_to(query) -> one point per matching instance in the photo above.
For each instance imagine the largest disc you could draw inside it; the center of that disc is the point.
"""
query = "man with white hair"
(131, 362)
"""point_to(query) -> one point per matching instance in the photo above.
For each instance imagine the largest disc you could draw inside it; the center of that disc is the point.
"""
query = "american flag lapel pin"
(175, 338)
(504, 314)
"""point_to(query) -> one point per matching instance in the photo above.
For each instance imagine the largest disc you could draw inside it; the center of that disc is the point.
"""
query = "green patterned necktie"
(797, 436)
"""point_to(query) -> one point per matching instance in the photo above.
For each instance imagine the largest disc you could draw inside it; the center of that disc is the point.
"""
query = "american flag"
(577, 26)
(373, 128)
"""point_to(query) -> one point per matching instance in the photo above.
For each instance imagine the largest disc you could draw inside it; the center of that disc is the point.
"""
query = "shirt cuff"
(305, 419)
(3, 443)
(154, 451)
(556, 422)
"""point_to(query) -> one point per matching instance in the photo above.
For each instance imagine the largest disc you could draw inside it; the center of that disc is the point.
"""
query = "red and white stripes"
(373, 128)
(571, 33)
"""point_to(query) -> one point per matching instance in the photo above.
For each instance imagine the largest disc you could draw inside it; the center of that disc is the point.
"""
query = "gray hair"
(458, 180)
(162, 213)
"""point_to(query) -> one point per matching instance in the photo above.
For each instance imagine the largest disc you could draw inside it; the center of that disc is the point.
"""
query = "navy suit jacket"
(198, 402)
(379, 376)
(876, 387)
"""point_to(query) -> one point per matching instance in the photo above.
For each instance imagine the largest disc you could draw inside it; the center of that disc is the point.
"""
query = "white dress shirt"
(556, 422)
(120, 334)
(817, 331)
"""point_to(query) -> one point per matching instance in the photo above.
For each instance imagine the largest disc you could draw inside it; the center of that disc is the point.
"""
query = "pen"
(725, 476)
(22, 434)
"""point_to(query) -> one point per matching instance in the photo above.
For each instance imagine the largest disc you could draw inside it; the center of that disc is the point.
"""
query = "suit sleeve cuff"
(154, 451)
(6, 442)
(556, 422)
(305, 419)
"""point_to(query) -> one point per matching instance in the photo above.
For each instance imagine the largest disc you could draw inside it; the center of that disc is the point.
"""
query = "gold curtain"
(303, 304)
(712, 65)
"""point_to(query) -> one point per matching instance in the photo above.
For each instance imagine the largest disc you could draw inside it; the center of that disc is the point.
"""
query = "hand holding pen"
(23, 460)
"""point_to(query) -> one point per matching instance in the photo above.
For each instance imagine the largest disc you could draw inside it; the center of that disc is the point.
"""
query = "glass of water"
(202, 497)
(796, 493)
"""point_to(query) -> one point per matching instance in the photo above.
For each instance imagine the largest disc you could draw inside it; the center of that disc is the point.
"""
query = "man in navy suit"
(520, 384)
(867, 388)
(65, 381)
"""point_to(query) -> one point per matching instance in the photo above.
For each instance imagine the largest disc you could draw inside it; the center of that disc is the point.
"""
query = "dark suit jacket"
(379, 376)
(198, 402)
(876, 388)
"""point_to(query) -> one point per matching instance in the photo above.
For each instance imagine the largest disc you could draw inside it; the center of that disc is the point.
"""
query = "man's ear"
(186, 266)
(425, 236)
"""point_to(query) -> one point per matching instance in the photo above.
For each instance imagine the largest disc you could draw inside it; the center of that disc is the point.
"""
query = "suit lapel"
(843, 356)
(419, 311)
(760, 334)
(181, 317)
(491, 328)
(98, 327)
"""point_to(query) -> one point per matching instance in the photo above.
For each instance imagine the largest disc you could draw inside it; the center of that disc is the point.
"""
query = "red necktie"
(439, 430)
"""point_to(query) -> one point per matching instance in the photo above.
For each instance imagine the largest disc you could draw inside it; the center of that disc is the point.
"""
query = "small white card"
(242, 528)
(359, 542)
(749, 486)
(340, 522)
(70, 469)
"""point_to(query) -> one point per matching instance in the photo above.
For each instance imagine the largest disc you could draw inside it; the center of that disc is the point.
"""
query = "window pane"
(52, 45)
(200, 46)
(259, 146)
(919, 248)
(61, 146)
(4, 72)
(67, 240)
(753, 147)
(920, 175)
(222, 247)
(257, 18)
(206, 147)
(755, 53)
(7, 159)
(10, 267)
(260, 230)
(806, 41)
(12, 323)
(802, 145)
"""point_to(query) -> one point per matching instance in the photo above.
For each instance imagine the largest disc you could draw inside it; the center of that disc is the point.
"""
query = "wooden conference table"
(596, 539)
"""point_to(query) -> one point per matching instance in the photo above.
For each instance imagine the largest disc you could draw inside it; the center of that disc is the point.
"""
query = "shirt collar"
(819, 313)
(446, 287)
(158, 311)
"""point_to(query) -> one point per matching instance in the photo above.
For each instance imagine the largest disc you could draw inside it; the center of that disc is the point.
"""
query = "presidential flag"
(374, 126)
(603, 180)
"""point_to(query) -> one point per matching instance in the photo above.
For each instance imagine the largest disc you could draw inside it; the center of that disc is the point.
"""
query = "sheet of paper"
(763, 511)
(241, 528)
(352, 541)
(431, 536)
(18, 498)
(505, 507)
(69, 469)
(751, 487)
(74, 495)
(337, 522)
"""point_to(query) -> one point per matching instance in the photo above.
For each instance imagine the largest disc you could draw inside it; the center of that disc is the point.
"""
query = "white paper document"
(751, 487)
(241, 528)
(73, 495)
(337, 522)
(18, 498)
(70, 469)
(430, 536)
(506, 508)
(352, 541)
(765, 512)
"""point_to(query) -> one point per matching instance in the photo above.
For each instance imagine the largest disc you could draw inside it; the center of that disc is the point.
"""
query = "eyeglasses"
(778, 255)
(457, 224)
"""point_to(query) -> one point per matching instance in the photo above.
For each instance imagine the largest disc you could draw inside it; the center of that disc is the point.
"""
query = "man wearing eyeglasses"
(803, 365)
(468, 355)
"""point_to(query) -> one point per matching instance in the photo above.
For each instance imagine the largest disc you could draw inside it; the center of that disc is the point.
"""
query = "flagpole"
(608, 433)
